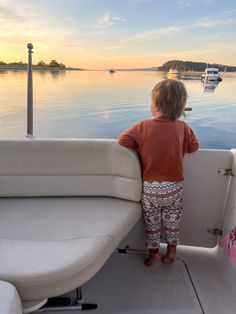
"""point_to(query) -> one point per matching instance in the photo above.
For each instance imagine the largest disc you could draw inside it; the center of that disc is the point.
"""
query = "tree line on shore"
(53, 64)
(179, 65)
(183, 66)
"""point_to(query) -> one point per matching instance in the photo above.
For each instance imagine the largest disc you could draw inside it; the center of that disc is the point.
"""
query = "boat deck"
(194, 284)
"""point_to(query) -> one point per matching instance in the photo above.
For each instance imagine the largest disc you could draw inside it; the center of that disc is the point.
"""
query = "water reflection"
(55, 74)
(97, 104)
(209, 86)
(111, 73)
(2, 72)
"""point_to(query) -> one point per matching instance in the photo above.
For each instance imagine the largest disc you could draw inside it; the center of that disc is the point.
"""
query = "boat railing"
(30, 93)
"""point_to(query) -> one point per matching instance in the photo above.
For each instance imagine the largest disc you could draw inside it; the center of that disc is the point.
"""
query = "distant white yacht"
(211, 74)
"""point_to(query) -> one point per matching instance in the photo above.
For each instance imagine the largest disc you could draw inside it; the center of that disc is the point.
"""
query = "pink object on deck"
(229, 244)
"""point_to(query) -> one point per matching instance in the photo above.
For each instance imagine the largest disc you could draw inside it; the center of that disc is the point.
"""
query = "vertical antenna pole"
(30, 93)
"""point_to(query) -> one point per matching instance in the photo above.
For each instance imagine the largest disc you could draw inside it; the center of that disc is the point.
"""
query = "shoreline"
(192, 75)
(25, 68)
(35, 68)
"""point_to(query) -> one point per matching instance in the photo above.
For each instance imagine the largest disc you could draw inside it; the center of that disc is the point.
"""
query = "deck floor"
(200, 282)
(125, 286)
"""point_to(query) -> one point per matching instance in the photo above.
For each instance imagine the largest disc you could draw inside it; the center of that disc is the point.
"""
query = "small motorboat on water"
(211, 74)
(172, 74)
(112, 70)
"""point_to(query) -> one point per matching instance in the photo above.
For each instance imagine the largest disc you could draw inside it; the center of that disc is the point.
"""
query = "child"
(161, 143)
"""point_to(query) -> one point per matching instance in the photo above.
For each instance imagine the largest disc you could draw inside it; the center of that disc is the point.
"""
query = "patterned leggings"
(162, 204)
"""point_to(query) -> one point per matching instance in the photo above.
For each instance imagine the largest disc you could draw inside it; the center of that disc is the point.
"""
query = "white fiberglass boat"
(70, 216)
(211, 74)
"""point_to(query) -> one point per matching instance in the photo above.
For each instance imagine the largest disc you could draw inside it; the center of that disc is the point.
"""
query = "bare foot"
(152, 259)
(170, 256)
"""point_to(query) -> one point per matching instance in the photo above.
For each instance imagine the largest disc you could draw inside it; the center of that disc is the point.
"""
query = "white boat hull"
(214, 78)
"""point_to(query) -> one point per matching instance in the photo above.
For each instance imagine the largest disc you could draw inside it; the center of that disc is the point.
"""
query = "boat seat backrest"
(68, 168)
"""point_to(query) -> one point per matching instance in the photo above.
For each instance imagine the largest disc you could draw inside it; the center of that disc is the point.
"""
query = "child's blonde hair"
(170, 96)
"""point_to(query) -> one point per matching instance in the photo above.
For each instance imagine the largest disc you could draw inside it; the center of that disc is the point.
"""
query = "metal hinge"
(224, 171)
(215, 231)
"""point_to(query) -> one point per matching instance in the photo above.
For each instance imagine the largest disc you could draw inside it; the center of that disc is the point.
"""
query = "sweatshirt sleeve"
(193, 143)
(129, 138)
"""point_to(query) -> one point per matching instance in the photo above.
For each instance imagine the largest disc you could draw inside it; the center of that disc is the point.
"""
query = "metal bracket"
(66, 309)
(62, 304)
(215, 231)
(224, 171)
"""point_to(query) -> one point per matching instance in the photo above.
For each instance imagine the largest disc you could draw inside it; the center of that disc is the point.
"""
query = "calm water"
(101, 105)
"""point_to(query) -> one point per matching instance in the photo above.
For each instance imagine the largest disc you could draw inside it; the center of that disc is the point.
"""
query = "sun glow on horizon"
(127, 34)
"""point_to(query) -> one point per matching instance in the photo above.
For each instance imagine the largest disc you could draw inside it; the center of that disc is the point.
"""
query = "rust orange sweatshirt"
(161, 145)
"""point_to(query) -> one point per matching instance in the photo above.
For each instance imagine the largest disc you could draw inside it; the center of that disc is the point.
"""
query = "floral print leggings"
(162, 204)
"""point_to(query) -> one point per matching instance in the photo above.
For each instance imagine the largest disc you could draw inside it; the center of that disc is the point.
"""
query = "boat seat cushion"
(9, 299)
(69, 168)
(59, 242)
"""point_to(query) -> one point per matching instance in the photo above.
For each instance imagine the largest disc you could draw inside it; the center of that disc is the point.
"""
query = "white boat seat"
(70, 215)
(59, 240)
(9, 299)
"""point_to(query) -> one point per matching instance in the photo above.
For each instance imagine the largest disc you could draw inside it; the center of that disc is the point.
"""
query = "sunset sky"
(101, 34)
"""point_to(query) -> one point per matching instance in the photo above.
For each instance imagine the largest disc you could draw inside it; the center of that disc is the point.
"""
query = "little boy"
(161, 143)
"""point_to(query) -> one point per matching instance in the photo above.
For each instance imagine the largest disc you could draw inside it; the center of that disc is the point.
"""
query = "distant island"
(41, 66)
(185, 66)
